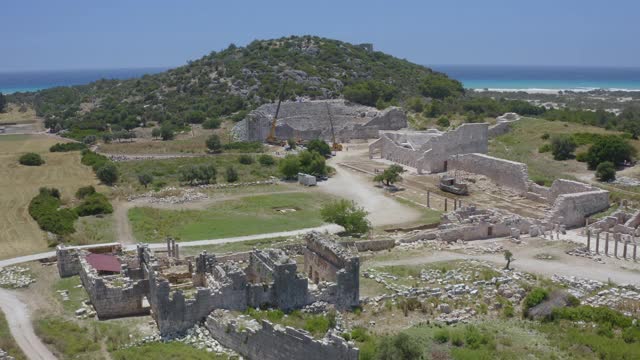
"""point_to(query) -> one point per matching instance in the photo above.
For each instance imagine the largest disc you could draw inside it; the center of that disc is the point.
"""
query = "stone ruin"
(308, 120)
(429, 151)
(622, 228)
(471, 223)
(181, 292)
(503, 124)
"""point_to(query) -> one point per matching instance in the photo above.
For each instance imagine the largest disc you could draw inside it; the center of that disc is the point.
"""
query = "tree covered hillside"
(235, 80)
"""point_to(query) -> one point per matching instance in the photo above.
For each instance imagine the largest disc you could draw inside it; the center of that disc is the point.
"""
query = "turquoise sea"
(543, 78)
(493, 77)
(11, 82)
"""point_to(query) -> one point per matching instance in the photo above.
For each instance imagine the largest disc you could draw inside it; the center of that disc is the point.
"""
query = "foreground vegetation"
(7, 343)
(245, 216)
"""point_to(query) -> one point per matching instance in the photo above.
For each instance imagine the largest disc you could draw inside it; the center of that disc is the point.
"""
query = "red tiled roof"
(102, 262)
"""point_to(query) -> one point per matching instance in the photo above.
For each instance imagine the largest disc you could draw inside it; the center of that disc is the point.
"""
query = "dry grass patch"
(19, 233)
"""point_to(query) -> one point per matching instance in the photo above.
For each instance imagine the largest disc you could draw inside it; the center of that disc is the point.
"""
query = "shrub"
(544, 148)
(400, 346)
(246, 159)
(508, 311)
(441, 336)
(582, 156)
(85, 191)
(289, 167)
(244, 146)
(167, 132)
(346, 214)
(317, 325)
(457, 339)
(312, 163)
(155, 133)
(319, 146)
(211, 123)
(606, 171)
(443, 122)
(533, 298)
(71, 146)
(93, 159)
(545, 136)
(610, 148)
(214, 144)
(562, 147)
(94, 204)
(89, 139)
(31, 159)
(266, 160)
(599, 315)
(200, 174)
(231, 175)
(631, 335)
(44, 209)
(145, 179)
(108, 174)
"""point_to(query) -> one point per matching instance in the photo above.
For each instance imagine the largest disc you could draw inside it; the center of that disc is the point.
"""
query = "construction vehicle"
(335, 146)
(450, 184)
(271, 138)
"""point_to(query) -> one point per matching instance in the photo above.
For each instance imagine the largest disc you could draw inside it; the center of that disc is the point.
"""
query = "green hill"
(235, 80)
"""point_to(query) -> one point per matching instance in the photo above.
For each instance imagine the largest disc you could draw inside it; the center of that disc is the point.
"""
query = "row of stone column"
(456, 203)
(617, 238)
(173, 249)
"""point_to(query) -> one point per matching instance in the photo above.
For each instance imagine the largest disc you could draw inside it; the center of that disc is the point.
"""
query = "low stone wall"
(371, 245)
(511, 174)
(268, 342)
(564, 186)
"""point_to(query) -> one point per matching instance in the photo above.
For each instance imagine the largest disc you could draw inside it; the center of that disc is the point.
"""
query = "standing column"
(455, 204)
(428, 199)
(624, 249)
(445, 204)
(589, 239)
(606, 243)
(598, 242)
(635, 248)
(616, 237)
(177, 254)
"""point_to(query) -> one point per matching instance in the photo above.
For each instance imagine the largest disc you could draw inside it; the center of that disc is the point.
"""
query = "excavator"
(271, 138)
(335, 146)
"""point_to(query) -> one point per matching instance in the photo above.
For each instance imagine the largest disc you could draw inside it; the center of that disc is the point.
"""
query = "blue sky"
(66, 34)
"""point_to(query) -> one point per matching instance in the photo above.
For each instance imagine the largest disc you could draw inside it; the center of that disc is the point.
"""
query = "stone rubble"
(597, 293)
(5, 356)
(197, 336)
(14, 277)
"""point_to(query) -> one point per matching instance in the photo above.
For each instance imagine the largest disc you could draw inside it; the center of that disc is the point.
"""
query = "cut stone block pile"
(14, 277)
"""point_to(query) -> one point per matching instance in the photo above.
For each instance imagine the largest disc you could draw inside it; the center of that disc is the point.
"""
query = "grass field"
(246, 216)
(167, 171)
(13, 115)
(19, 233)
(522, 142)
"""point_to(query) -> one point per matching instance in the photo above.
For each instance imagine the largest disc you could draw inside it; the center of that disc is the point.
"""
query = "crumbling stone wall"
(564, 186)
(431, 150)
(268, 342)
(572, 210)
(277, 272)
(114, 296)
(325, 260)
(68, 261)
(511, 174)
(309, 120)
(503, 124)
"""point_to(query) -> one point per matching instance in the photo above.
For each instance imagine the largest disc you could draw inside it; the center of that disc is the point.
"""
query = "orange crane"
(335, 146)
(271, 139)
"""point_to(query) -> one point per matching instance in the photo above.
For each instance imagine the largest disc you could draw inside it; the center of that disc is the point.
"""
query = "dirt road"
(19, 320)
(383, 210)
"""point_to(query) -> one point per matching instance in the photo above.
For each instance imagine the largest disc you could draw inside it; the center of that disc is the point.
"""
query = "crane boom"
(271, 139)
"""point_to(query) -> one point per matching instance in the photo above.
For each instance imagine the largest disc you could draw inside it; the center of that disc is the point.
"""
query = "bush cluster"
(31, 159)
(94, 204)
(104, 168)
(198, 174)
(45, 210)
(70, 146)
(306, 162)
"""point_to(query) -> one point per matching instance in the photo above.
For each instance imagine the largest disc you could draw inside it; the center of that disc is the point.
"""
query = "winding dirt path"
(19, 321)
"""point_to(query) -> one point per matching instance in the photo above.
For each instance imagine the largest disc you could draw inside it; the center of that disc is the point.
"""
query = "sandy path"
(19, 320)
(358, 187)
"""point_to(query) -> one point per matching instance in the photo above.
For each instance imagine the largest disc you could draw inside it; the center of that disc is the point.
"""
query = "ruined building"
(430, 151)
(182, 292)
(310, 120)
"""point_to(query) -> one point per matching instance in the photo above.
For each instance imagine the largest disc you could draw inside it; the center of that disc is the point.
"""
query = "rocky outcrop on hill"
(306, 120)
